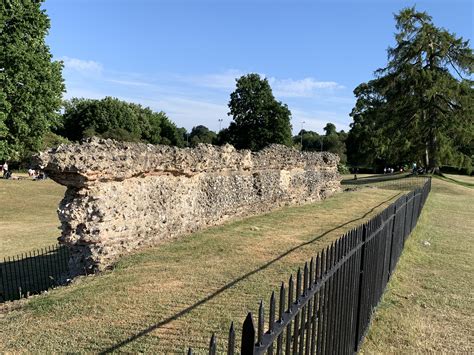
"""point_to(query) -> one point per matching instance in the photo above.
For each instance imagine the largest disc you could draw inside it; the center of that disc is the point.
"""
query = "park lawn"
(429, 305)
(28, 218)
(167, 298)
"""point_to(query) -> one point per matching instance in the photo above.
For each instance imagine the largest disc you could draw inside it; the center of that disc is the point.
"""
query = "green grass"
(167, 298)
(429, 306)
(28, 218)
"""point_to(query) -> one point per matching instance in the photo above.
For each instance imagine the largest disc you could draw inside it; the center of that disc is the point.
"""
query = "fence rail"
(33, 272)
(330, 307)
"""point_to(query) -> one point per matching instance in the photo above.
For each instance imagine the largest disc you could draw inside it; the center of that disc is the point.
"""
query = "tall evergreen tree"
(421, 104)
(259, 119)
(31, 84)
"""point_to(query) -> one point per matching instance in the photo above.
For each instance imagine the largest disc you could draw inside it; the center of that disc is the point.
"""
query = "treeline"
(418, 109)
(331, 141)
(124, 121)
(116, 119)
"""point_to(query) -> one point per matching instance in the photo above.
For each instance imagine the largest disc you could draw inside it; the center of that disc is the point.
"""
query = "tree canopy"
(201, 134)
(332, 141)
(419, 108)
(31, 83)
(120, 120)
(258, 118)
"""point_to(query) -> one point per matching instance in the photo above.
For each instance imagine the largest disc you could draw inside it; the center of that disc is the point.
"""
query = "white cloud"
(187, 112)
(129, 82)
(190, 100)
(306, 87)
(82, 92)
(80, 65)
(225, 80)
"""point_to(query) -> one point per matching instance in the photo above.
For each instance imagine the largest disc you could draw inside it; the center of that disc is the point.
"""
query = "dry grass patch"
(167, 298)
(28, 218)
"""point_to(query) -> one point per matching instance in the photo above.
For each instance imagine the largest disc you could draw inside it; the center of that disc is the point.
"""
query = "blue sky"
(182, 57)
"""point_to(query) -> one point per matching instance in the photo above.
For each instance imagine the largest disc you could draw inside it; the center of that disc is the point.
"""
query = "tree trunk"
(432, 154)
(427, 156)
(433, 147)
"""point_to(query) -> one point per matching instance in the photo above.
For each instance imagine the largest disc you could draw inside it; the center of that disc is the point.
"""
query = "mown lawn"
(429, 304)
(28, 218)
(167, 298)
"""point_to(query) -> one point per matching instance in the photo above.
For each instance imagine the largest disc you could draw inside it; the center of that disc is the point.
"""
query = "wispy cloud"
(129, 82)
(190, 100)
(224, 80)
(306, 87)
(80, 65)
(287, 87)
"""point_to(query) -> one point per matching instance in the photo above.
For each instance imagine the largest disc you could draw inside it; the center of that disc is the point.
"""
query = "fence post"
(359, 297)
(392, 237)
(248, 336)
(413, 213)
(3, 297)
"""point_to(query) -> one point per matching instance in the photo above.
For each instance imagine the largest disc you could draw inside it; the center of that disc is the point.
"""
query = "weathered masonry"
(123, 196)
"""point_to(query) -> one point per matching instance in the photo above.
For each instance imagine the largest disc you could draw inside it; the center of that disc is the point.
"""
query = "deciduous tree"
(31, 84)
(258, 118)
(201, 134)
(116, 119)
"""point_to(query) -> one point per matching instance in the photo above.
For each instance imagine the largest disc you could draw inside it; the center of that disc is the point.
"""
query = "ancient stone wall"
(123, 196)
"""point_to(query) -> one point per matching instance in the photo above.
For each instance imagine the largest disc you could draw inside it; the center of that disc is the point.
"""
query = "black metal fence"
(330, 307)
(32, 273)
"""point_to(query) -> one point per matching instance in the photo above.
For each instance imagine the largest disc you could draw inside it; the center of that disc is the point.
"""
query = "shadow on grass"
(449, 179)
(32, 273)
(234, 282)
(396, 181)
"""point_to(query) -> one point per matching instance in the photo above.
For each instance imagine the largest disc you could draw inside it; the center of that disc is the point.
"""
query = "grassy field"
(173, 296)
(429, 304)
(28, 217)
(167, 298)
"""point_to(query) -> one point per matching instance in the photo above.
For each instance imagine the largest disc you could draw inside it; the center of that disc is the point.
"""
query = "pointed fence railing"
(329, 309)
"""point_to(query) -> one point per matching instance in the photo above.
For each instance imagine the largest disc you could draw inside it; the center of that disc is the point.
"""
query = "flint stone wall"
(123, 196)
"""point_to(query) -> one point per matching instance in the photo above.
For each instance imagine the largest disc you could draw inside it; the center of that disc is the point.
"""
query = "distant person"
(384, 170)
(31, 172)
(5, 171)
(414, 168)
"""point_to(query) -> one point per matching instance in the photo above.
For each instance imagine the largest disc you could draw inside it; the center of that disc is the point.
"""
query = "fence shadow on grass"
(237, 280)
(32, 273)
(396, 181)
